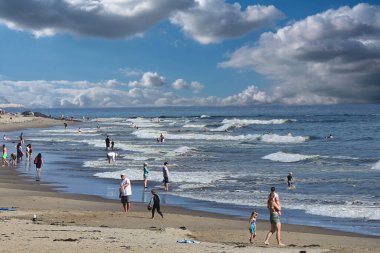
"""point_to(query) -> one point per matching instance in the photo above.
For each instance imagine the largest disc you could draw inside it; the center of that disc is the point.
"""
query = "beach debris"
(65, 240)
(34, 219)
(188, 241)
(183, 228)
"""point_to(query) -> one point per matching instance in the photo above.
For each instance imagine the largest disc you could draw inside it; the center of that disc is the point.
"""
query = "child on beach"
(252, 226)
(13, 159)
(145, 175)
(154, 204)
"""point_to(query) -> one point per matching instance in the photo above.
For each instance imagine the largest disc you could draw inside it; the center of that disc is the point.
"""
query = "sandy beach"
(85, 223)
(12, 122)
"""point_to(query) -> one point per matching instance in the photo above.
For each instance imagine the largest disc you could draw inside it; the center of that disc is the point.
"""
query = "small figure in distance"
(165, 172)
(107, 142)
(162, 138)
(112, 144)
(290, 181)
(252, 226)
(145, 175)
(38, 161)
(65, 124)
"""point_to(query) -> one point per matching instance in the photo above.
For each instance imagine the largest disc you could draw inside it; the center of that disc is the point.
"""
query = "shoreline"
(15, 121)
(217, 232)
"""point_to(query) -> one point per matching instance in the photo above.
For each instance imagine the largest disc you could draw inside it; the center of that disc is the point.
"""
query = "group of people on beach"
(17, 156)
(274, 207)
(126, 190)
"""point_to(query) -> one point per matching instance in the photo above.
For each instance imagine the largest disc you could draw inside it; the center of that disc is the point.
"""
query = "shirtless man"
(276, 198)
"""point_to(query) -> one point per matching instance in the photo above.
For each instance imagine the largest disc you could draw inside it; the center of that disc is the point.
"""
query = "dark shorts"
(125, 199)
(166, 180)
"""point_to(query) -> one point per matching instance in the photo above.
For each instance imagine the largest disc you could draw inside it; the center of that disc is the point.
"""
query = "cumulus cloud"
(330, 57)
(62, 93)
(181, 84)
(99, 18)
(211, 21)
(148, 80)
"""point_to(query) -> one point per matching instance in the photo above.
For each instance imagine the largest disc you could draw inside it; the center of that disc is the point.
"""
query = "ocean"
(226, 159)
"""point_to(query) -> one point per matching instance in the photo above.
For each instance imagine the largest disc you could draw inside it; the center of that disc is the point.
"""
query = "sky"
(123, 53)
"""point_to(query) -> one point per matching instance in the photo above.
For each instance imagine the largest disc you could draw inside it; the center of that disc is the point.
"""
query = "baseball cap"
(166, 163)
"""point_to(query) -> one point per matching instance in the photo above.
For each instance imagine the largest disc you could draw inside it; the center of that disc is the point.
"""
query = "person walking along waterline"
(274, 219)
(125, 192)
(145, 175)
(5, 156)
(165, 172)
(38, 161)
(154, 204)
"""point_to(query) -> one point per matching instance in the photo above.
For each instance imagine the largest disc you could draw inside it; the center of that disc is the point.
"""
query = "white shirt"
(165, 171)
(112, 155)
(128, 188)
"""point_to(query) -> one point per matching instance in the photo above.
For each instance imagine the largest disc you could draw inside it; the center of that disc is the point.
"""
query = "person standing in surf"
(290, 181)
(165, 172)
(107, 142)
(145, 175)
(38, 161)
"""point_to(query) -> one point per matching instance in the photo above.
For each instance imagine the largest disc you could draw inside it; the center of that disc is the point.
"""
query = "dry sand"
(12, 122)
(83, 223)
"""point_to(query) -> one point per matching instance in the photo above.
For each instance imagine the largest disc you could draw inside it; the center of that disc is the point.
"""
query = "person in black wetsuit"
(155, 204)
(290, 180)
(107, 142)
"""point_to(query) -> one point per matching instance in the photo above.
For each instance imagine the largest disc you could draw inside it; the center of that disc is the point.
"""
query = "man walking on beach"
(165, 172)
(276, 198)
(125, 192)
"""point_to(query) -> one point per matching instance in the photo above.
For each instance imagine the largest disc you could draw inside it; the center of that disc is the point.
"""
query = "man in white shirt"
(165, 172)
(125, 192)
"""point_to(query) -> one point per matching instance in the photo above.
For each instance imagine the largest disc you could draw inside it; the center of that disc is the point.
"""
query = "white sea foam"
(274, 138)
(376, 166)
(180, 151)
(152, 134)
(204, 116)
(246, 122)
(343, 211)
(287, 157)
(107, 120)
(194, 126)
(230, 124)
(143, 122)
(181, 177)
(245, 198)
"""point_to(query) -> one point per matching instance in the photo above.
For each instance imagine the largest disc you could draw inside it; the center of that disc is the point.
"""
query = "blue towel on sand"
(7, 208)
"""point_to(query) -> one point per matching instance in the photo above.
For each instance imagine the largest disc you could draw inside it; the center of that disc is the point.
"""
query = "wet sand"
(74, 222)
